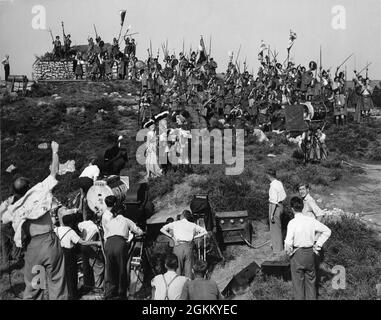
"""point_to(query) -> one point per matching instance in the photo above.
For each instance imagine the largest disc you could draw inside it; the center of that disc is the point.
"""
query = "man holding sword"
(305, 238)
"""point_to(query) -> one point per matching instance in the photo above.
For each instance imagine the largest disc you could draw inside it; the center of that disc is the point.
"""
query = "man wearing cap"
(276, 197)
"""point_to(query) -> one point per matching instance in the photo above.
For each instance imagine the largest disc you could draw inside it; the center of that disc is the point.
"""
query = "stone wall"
(62, 70)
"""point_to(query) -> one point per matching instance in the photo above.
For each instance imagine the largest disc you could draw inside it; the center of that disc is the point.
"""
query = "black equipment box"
(201, 209)
(233, 226)
(241, 280)
(280, 269)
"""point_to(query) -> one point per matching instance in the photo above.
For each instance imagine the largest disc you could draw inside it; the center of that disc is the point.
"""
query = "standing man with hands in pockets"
(276, 197)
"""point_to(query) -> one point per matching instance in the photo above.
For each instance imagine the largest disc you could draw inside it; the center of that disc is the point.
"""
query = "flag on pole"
(262, 48)
(291, 39)
(122, 16)
(202, 52)
(202, 45)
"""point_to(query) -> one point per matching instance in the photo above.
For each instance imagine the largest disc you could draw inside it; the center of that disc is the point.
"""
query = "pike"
(183, 47)
(96, 33)
(150, 47)
(239, 50)
(51, 34)
(320, 62)
(210, 46)
(344, 62)
(366, 67)
(63, 30)
(132, 34)
(122, 14)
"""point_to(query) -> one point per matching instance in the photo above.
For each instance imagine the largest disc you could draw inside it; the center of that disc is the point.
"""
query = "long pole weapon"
(239, 50)
(63, 30)
(96, 33)
(320, 62)
(338, 68)
(366, 67)
(51, 34)
(210, 46)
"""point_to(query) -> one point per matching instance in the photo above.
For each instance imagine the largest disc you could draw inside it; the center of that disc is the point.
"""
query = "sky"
(230, 24)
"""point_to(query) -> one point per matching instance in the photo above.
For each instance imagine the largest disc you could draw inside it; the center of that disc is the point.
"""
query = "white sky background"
(230, 23)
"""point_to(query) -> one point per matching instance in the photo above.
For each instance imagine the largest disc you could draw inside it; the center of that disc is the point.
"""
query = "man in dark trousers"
(116, 233)
(183, 232)
(305, 238)
(7, 68)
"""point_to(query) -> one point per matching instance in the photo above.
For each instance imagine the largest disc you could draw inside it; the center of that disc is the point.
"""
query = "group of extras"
(46, 235)
(188, 85)
(42, 230)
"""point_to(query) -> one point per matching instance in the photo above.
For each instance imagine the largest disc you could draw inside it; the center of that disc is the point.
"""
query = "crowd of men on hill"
(189, 82)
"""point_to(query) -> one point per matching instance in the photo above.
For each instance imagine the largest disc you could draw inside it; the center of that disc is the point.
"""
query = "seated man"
(115, 158)
(200, 288)
(168, 286)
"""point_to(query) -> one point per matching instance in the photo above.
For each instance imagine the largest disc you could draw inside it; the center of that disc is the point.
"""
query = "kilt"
(366, 103)
(340, 106)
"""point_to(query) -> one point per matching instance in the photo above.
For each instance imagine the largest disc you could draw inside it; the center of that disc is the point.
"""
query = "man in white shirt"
(93, 264)
(68, 240)
(116, 233)
(276, 197)
(305, 236)
(168, 286)
(310, 208)
(91, 171)
(30, 216)
(183, 232)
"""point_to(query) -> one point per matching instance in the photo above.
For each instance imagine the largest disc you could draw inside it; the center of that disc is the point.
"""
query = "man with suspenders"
(168, 286)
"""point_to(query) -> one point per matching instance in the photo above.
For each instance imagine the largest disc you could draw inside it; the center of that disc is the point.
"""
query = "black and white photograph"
(206, 151)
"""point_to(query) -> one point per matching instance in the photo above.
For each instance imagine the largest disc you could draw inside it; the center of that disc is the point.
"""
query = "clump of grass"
(270, 288)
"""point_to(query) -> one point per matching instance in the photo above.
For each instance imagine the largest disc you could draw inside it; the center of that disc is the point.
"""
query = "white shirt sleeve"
(289, 241)
(273, 195)
(49, 183)
(200, 231)
(316, 210)
(74, 237)
(168, 227)
(133, 227)
(324, 231)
